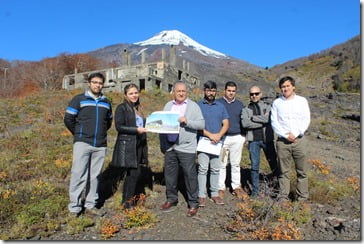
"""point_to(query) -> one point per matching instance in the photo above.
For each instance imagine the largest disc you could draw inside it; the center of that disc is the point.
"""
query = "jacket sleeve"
(121, 121)
(71, 115)
(195, 119)
(110, 118)
(246, 119)
(264, 117)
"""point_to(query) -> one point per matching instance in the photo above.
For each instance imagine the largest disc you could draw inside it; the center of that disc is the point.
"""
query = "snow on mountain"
(174, 37)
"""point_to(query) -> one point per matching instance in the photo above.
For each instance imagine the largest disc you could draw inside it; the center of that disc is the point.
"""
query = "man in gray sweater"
(180, 150)
(255, 118)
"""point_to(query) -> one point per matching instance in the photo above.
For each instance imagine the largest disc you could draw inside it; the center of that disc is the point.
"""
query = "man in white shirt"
(290, 118)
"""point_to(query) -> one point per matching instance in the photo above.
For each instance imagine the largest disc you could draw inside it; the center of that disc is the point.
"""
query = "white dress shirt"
(290, 115)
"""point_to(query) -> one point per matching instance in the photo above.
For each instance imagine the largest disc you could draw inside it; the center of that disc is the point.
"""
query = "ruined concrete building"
(160, 75)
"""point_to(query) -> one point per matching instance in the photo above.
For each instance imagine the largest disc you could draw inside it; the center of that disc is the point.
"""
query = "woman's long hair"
(137, 106)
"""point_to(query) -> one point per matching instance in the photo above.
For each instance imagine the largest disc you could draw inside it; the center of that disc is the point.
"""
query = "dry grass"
(36, 160)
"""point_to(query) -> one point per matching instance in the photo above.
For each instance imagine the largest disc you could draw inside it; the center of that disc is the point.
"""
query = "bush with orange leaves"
(286, 230)
(263, 220)
(354, 182)
(109, 227)
(323, 168)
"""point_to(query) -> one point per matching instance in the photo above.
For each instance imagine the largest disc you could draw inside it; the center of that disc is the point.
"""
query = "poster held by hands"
(165, 122)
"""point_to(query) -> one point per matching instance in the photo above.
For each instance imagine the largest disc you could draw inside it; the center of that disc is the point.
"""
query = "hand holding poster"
(165, 122)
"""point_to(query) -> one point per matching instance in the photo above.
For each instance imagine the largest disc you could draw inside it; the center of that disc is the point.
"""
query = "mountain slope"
(336, 68)
(202, 61)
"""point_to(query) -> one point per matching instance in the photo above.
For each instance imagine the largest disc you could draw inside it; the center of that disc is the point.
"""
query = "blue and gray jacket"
(88, 119)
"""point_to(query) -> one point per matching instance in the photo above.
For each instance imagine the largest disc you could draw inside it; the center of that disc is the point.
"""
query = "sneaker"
(217, 200)
(202, 201)
(95, 212)
(168, 207)
(221, 194)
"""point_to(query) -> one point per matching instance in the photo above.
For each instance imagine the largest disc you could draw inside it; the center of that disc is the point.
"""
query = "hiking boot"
(202, 201)
(221, 194)
(217, 200)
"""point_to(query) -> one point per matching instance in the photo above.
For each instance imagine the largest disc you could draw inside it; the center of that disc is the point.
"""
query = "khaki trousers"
(287, 151)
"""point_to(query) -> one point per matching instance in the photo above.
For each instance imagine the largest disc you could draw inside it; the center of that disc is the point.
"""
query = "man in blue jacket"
(88, 117)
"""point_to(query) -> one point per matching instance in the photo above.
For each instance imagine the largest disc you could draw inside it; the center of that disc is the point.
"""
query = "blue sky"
(264, 33)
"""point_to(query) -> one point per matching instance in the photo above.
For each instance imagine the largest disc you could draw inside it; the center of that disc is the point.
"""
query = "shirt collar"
(182, 103)
(228, 100)
(206, 102)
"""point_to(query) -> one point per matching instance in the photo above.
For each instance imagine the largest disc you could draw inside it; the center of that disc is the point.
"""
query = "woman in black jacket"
(131, 144)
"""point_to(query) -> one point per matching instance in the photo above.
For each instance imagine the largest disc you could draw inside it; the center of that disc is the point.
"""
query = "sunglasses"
(254, 93)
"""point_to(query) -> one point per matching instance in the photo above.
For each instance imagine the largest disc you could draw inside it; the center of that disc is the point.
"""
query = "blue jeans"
(271, 156)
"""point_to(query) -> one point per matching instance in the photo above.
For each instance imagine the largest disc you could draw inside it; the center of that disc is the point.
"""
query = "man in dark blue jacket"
(88, 117)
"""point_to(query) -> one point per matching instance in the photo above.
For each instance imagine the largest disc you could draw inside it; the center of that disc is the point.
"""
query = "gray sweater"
(187, 140)
(250, 121)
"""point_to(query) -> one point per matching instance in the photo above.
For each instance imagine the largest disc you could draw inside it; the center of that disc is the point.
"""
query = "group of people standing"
(225, 120)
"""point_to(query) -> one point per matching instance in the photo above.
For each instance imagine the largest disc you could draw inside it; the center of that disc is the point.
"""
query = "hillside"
(37, 152)
(336, 68)
(35, 169)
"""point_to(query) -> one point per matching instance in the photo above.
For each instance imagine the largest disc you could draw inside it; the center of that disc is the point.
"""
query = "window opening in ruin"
(179, 74)
(71, 81)
(158, 84)
(170, 86)
(142, 84)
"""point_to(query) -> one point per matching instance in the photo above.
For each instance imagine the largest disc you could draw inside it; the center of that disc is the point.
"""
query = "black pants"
(186, 161)
(133, 182)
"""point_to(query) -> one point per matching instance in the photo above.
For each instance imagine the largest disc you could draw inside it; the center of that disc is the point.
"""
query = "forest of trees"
(22, 77)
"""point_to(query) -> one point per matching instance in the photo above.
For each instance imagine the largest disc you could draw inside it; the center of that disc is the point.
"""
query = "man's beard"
(209, 98)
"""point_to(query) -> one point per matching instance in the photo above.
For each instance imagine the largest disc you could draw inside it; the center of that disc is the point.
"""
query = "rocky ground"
(337, 145)
(339, 221)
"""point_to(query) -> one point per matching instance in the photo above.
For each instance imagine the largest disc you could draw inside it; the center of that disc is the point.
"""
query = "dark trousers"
(133, 183)
(174, 160)
(130, 184)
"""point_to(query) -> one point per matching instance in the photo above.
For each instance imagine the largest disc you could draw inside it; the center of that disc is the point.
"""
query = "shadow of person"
(108, 183)
(111, 177)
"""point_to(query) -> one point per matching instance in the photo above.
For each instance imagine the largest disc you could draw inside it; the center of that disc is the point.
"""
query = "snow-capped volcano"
(174, 37)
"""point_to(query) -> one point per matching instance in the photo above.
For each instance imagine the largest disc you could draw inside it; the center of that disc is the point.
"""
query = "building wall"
(147, 76)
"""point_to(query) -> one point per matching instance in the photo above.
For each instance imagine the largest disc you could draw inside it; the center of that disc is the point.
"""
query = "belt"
(282, 139)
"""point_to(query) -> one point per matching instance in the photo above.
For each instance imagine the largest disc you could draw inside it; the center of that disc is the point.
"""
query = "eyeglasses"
(254, 93)
(96, 82)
